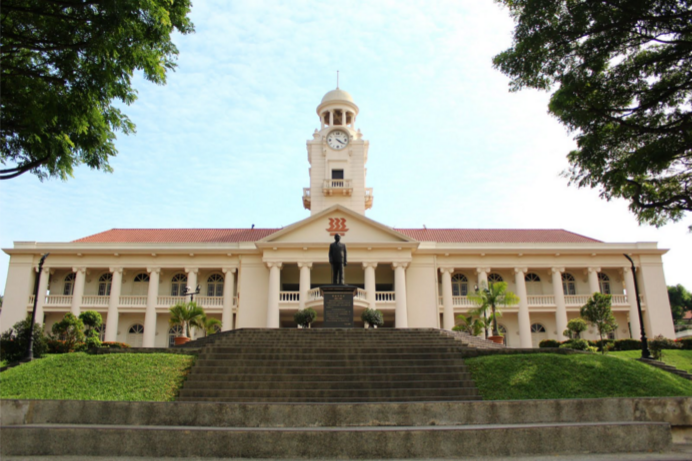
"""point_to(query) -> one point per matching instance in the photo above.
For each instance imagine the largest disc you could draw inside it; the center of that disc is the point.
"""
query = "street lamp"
(188, 291)
(30, 340)
(646, 354)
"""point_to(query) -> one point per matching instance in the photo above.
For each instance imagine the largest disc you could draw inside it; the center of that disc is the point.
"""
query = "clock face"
(337, 139)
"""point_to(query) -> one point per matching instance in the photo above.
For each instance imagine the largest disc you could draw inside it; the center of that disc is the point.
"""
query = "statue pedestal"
(338, 305)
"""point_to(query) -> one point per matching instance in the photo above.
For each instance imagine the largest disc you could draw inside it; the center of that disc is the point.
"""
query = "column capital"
(227, 270)
(398, 265)
(594, 269)
(153, 270)
(557, 270)
(45, 270)
(79, 269)
(305, 264)
(480, 270)
(369, 264)
(446, 270)
(275, 264)
(521, 270)
(191, 270)
(113, 270)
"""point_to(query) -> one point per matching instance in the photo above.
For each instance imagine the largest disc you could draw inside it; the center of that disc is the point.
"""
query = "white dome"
(337, 95)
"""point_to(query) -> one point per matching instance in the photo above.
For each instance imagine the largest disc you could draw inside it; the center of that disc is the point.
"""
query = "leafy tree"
(70, 330)
(623, 73)
(13, 342)
(469, 324)
(492, 298)
(373, 316)
(597, 312)
(187, 315)
(575, 327)
(92, 322)
(210, 325)
(63, 62)
(680, 301)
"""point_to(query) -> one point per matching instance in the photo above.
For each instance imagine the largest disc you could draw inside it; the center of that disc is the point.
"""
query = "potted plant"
(186, 315)
(372, 317)
(305, 317)
(492, 298)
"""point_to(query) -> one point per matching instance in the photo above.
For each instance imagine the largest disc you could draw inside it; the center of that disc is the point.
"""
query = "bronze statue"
(337, 258)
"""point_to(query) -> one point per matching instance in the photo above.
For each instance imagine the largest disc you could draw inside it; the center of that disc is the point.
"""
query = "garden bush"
(602, 344)
(549, 343)
(685, 343)
(305, 317)
(373, 317)
(58, 346)
(115, 345)
(659, 344)
(576, 344)
(627, 345)
(13, 342)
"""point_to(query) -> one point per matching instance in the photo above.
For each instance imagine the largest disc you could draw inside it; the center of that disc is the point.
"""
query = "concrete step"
(366, 356)
(333, 443)
(289, 383)
(358, 400)
(314, 378)
(271, 369)
(333, 362)
(297, 393)
(320, 349)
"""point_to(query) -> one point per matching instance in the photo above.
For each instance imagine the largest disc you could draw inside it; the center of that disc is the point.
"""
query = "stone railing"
(360, 294)
(385, 297)
(314, 294)
(337, 186)
(95, 300)
(58, 300)
(133, 301)
(289, 296)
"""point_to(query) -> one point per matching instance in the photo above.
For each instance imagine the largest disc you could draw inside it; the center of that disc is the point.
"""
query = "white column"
(523, 315)
(191, 278)
(228, 289)
(42, 290)
(112, 319)
(447, 304)
(273, 295)
(400, 311)
(635, 327)
(561, 309)
(152, 300)
(78, 292)
(370, 284)
(304, 287)
(594, 286)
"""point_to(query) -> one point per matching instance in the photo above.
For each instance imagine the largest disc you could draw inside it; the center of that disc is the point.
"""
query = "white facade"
(260, 277)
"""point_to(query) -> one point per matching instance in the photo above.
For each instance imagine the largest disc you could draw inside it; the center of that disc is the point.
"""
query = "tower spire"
(337, 79)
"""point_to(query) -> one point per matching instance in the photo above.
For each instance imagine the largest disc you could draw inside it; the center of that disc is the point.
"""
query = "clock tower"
(337, 155)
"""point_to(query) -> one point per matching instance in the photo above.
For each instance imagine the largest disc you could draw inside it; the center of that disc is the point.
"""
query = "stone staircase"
(666, 367)
(331, 366)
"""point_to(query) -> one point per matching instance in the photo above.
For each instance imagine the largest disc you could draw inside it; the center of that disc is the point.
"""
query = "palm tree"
(209, 325)
(493, 297)
(470, 325)
(186, 315)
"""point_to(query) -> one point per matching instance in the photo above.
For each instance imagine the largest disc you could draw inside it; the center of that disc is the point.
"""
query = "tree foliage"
(13, 342)
(575, 328)
(680, 301)
(469, 324)
(64, 63)
(70, 330)
(492, 298)
(187, 315)
(623, 73)
(597, 311)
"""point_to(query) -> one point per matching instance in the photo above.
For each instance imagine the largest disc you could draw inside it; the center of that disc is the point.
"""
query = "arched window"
(533, 284)
(105, 284)
(141, 284)
(215, 285)
(69, 284)
(604, 283)
(135, 335)
(537, 328)
(325, 117)
(178, 284)
(460, 285)
(568, 284)
(174, 332)
(494, 278)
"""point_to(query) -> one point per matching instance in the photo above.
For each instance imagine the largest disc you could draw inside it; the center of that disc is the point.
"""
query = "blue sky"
(223, 143)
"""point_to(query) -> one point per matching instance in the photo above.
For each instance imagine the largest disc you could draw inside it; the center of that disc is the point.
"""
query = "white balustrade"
(361, 294)
(289, 296)
(576, 300)
(619, 299)
(169, 301)
(314, 294)
(463, 301)
(133, 301)
(541, 300)
(58, 300)
(337, 183)
(209, 301)
(385, 297)
(95, 300)
(31, 300)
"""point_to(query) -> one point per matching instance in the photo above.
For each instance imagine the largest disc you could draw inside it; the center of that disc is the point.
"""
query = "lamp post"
(30, 340)
(188, 291)
(646, 354)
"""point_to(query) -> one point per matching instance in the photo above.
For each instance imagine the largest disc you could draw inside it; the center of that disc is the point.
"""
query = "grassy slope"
(680, 359)
(79, 376)
(552, 376)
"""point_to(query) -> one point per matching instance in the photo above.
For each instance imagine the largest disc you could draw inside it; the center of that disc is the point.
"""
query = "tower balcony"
(307, 201)
(337, 187)
(369, 197)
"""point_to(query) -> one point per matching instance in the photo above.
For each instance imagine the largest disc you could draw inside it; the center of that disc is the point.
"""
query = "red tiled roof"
(177, 236)
(253, 235)
(495, 236)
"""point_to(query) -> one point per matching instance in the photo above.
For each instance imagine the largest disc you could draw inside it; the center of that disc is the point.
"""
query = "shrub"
(575, 327)
(92, 343)
(603, 345)
(549, 343)
(92, 321)
(305, 317)
(373, 317)
(627, 345)
(13, 342)
(115, 345)
(659, 344)
(57, 346)
(576, 344)
(685, 343)
(69, 329)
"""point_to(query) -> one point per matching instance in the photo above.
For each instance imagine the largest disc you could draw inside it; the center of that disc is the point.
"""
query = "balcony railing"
(369, 197)
(360, 294)
(289, 296)
(337, 187)
(385, 297)
(307, 199)
(131, 301)
(541, 300)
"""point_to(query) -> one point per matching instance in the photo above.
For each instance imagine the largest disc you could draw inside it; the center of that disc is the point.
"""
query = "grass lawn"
(80, 376)
(682, 360)
(553, 376)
